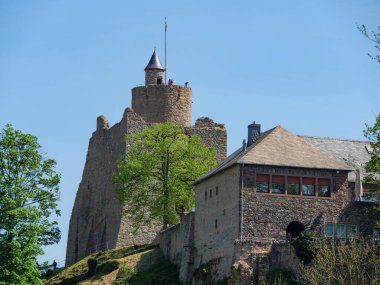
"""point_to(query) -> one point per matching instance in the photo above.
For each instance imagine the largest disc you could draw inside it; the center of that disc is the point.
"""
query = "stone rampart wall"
(217, 220)
(177, 244)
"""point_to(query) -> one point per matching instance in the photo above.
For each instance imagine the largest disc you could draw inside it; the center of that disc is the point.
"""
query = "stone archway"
(294, 229)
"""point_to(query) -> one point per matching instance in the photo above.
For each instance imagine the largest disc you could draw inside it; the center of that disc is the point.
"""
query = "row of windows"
(210, 193)
(344, 231)
(340, 230)
(293, 185)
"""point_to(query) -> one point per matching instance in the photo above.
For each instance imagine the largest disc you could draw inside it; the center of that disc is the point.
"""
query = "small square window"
(329, 230)
(308, 190)
(278, 188)
(369, 197)
(262, 187)
(340, 230)
(376, 233)
(352, 230)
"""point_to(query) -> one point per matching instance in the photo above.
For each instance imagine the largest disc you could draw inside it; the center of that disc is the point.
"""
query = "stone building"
(265, 193)
(96, 221)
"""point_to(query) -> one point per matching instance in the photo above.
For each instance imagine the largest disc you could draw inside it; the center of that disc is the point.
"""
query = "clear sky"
(301, 64)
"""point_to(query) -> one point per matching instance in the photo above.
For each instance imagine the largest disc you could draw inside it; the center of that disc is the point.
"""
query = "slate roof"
(350, 152)
(154, 62)
(279, 147)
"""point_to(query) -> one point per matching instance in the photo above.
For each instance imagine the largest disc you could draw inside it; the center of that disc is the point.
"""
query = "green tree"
(372, 167)
(374, 37)
(305, 246)
(156, 173)
(28, 197)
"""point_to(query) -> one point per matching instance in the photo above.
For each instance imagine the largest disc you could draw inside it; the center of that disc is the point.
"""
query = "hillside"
(130, 265)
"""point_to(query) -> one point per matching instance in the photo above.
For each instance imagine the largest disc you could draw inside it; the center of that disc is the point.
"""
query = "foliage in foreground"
(372, 167)
(156, 173)
(374, 37)
(280, 277)
(305, 246)
(28, 197)
(350, 261)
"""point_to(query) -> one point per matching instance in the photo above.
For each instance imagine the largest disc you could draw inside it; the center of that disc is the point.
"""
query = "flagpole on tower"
(166, 29)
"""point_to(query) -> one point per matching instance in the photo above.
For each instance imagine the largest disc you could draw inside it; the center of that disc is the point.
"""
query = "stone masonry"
(96, 221)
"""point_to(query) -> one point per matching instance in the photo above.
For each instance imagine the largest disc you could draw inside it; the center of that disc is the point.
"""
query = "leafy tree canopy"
(28, 197)
(156, 173)
(374, 37)
(372, 167)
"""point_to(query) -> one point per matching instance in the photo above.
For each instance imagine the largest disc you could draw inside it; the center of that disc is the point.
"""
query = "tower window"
(159, 80)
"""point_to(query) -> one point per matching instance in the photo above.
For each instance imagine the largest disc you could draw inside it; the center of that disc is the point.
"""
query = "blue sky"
(301, 64)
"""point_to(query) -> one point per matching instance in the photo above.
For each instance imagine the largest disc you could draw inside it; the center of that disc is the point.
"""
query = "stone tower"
(157, 102)
(96, 221)
(154, 72)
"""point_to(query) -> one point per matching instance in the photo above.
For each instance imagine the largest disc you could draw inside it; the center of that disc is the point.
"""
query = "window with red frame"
(324, 186)
(308, 186)
(262, 183)
(278, 184)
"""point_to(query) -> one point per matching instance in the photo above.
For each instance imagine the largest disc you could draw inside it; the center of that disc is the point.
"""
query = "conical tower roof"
(154, 63)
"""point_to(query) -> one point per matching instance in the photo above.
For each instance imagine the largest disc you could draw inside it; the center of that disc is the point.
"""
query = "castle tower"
(158, 102)
(96, 221)
(154, 72)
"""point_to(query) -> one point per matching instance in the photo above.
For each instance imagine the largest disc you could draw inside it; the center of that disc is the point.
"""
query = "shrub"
(92, 264)
(305, 246)
(107, 267)
(280, 277)
(350, 261)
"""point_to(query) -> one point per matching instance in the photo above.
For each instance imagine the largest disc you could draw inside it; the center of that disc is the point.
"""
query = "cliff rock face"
(96, 221)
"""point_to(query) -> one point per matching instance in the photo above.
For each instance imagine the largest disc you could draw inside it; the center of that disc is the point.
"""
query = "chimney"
(254, 133)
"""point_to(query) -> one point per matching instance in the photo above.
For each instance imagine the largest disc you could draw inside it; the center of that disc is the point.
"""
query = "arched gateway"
(294, 229)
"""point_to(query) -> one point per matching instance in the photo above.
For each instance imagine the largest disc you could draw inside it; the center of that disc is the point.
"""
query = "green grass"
(133, 265)
(161, 273)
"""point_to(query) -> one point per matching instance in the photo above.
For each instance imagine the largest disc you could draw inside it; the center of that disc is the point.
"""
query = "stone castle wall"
(217, 220)
(212, 135)
(177, 244)
(96, 221)
(163, 103)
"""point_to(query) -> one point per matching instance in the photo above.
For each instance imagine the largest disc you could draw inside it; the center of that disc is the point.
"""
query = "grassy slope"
(145, 264)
